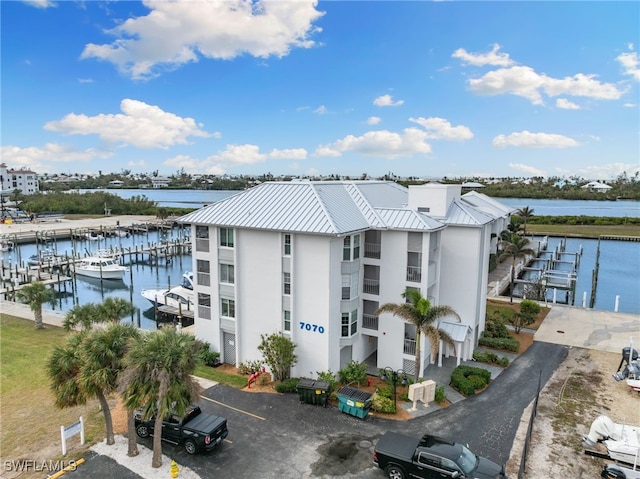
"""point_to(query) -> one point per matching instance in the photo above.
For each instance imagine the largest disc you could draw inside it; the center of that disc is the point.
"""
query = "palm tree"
(525, 213)
(103, 352)
(515, 247)
(82, 317)
(35, 295)
(419, 312)
(158, 379)
(114, 309)
(63, 368)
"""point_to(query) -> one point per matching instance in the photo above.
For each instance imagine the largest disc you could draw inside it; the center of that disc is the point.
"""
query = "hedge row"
(468, 379)
(508, 344)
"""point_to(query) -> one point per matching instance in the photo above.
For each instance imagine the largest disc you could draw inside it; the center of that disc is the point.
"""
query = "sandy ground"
(580, 390)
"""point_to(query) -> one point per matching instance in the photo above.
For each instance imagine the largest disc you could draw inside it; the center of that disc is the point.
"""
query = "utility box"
(354, 402)
(313, 392)
(429, 391)
(416, 392)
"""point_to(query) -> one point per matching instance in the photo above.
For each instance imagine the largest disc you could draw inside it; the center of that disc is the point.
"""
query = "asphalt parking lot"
(275, 436)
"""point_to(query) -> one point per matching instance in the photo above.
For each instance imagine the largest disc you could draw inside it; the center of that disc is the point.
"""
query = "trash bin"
(354, 402)
(313, 392)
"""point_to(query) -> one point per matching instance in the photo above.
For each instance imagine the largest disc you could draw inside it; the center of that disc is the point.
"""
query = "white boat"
(176, 297)
(6, 245)
(46, 257)
(98, 267)
(621, 440)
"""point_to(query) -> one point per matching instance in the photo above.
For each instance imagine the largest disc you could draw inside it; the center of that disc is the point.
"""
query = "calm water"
(142, 274)
(543, 207)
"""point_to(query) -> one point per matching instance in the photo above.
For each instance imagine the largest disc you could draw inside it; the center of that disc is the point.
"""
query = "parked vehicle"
(196, 430)
(403, 457)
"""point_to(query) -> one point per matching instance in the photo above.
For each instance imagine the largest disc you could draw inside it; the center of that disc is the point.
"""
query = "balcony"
(371, 286)
(372, 250)
(369, 321)
(410, 346)
(414, 274)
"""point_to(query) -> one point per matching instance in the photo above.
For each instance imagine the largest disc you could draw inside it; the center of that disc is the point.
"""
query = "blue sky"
(424, 89)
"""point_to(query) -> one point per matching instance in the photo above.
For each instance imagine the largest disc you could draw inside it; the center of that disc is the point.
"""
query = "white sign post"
(70, 431)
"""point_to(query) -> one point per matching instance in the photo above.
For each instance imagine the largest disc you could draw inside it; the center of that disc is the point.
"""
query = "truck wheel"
(395, 472)
(142, 430)
(190, 446)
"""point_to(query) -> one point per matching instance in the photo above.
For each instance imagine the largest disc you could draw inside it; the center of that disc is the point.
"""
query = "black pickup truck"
(196, 430)
(403, 457)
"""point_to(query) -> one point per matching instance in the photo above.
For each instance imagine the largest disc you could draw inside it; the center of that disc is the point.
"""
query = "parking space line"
(234, 408)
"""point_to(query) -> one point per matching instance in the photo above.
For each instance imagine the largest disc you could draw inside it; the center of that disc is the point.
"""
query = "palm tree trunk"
(513, 279)
(37, 315)
(156, 459)
(132, 448)
(416, 373)
(107, 417)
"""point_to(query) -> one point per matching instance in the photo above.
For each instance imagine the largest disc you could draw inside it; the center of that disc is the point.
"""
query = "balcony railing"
(371, 286)
(369, 321)
(372, 250)
(410, 346)
(414, 274)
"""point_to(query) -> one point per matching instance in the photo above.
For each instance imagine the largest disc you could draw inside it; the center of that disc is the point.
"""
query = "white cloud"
(565, 104)
(630, 63)
(231, 156)
(527, 139)
(140, 125)
(441, 129)
(381, 143)
(480, 59)
(373, 120)
(40, 3)
(609, 170)
(387, 100)
(321, 110)
(44, 159)
(85, 80)
(180, 31)
(630, 105)
(136, 164)
(525, 82)
(529, 170)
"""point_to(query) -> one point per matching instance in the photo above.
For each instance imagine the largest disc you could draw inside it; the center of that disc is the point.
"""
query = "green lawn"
(30, 420)
(589, 231)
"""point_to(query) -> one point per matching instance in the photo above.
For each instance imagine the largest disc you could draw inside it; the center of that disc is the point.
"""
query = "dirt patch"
(581, 389)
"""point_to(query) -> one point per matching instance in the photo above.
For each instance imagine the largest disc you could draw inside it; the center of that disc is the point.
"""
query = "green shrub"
(250, 367)
(495, 326)
(385, 391)
(490, 358)
(467, 379)
(287, 386)
(441, 394)
(353, 372)
(503, 361)
(206, 356)
(382, 404)
(507, 344)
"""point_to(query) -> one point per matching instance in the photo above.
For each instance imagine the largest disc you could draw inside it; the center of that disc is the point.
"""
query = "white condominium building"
(314, 261)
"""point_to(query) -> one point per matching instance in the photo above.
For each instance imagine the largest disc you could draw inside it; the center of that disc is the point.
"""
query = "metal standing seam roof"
(463, 214)
(487, 204)
(457, 331)
(327, 207)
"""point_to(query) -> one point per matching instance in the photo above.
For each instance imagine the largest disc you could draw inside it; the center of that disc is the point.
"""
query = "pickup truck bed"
(397, 446)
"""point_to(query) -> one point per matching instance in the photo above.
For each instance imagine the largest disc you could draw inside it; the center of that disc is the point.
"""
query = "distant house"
(160, 182)
(24, 180)
(116, 183)
(596, 186)
(471, 185)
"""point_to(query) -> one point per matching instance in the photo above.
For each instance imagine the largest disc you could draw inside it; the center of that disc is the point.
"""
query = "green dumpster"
(313, 392)
(354, 402)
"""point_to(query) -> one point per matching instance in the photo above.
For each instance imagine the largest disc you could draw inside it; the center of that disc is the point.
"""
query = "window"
(351, 248)
(226, 237)
(287, 282)
(202, 232)
(204, 278)
(349, 324)
(346, 249)
(228, 308)
(286, 321)
(287, 245)
(350, 285)
(227, 273)
(204, 306)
